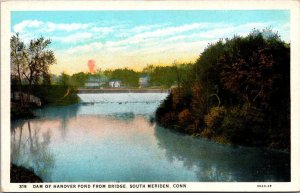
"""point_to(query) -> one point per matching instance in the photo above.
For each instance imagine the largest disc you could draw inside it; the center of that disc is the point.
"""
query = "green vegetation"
(55, 95)
(159, 76)
(167, 76)
(32, 85)
(30, 78)
(239, 93)
(129, 78)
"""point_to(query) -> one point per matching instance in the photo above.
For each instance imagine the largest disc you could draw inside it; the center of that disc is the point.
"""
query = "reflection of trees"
(215, 162)
(128, 117)
(31, 149)
(64, 113)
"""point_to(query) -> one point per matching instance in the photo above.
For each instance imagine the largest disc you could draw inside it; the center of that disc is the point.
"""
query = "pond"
(113, 138)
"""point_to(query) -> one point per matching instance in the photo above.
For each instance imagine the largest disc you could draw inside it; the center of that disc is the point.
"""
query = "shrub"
(234, 125)
(214, 118)
(207, 133)
(184, 118)
(169, 119)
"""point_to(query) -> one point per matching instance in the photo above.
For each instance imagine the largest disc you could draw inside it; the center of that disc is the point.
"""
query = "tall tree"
(64, 81)
(17, 60)
(38, 59)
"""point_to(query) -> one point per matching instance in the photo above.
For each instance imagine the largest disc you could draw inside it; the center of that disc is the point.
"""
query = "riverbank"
(241, 126)
(240, 94)
(19, 174)
(50, 95)
(18, 112)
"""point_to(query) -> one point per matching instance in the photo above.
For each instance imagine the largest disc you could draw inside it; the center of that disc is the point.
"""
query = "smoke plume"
(92, 66)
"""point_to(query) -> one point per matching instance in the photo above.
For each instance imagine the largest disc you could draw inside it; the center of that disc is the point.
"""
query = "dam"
(121, 90)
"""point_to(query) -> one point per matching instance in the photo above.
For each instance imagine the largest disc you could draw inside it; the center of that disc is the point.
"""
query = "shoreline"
(214, 139)
(19, 174)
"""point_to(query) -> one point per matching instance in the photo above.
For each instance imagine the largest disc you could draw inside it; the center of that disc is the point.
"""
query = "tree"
(79, 79)
(252, 67)
(17, 60)
(64, 79)
(241, 91)
(38, 59)
(128, 77)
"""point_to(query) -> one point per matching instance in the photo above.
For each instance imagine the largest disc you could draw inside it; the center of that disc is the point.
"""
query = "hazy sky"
(134, 39)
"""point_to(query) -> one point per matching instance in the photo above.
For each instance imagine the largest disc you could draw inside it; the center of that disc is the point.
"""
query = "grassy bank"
(56, 95)
(53, 95)
(50, 95)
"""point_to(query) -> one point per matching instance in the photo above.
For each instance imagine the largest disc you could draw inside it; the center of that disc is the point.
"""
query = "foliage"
(17, 59)
(30, 76)
(30, 63)
(239, 92)
(129, 78)
(38, 59)
(184, 117)
(214, 119)
(57, 95)
(159, 76)
(79, 79)
(64, 79)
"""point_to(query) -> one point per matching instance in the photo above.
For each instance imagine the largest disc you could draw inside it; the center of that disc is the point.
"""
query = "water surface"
(109, 139)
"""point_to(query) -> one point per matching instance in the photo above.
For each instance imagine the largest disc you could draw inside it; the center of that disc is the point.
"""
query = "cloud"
(149, 36)
(189, 36)
(21, 27)
(103, 30)
(168, 31)
(143, 28)
(88, 48)
(50, 26)
(138, 45)
(74, 38)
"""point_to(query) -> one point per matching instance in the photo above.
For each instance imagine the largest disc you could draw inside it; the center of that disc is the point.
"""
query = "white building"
(115, 83)
(144, 81)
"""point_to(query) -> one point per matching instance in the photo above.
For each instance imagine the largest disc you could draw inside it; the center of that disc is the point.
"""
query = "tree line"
(159, 76)
(239, 93)
(32, 83)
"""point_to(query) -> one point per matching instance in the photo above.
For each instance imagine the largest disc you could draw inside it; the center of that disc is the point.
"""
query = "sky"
(135, 39)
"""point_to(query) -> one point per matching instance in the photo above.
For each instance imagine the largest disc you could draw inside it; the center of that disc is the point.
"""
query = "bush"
(184, 118)
(234, 126)
(214, 118)
(207, 133)
(250, 77)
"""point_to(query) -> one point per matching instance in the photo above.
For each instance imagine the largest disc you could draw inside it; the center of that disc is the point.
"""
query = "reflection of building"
(144, 81)
(115, 83)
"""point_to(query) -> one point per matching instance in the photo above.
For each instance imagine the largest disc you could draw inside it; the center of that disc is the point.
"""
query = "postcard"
(160, 96)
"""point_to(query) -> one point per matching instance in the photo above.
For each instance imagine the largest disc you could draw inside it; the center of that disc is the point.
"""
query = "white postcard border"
(292, 5)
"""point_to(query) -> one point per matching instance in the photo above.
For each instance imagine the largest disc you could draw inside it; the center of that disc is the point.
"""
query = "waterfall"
(120, 104)
(122, 97)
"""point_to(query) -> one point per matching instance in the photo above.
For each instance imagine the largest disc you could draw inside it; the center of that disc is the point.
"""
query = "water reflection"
(30, 148)
(61, 113)
(107, 142)
(217, 162)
